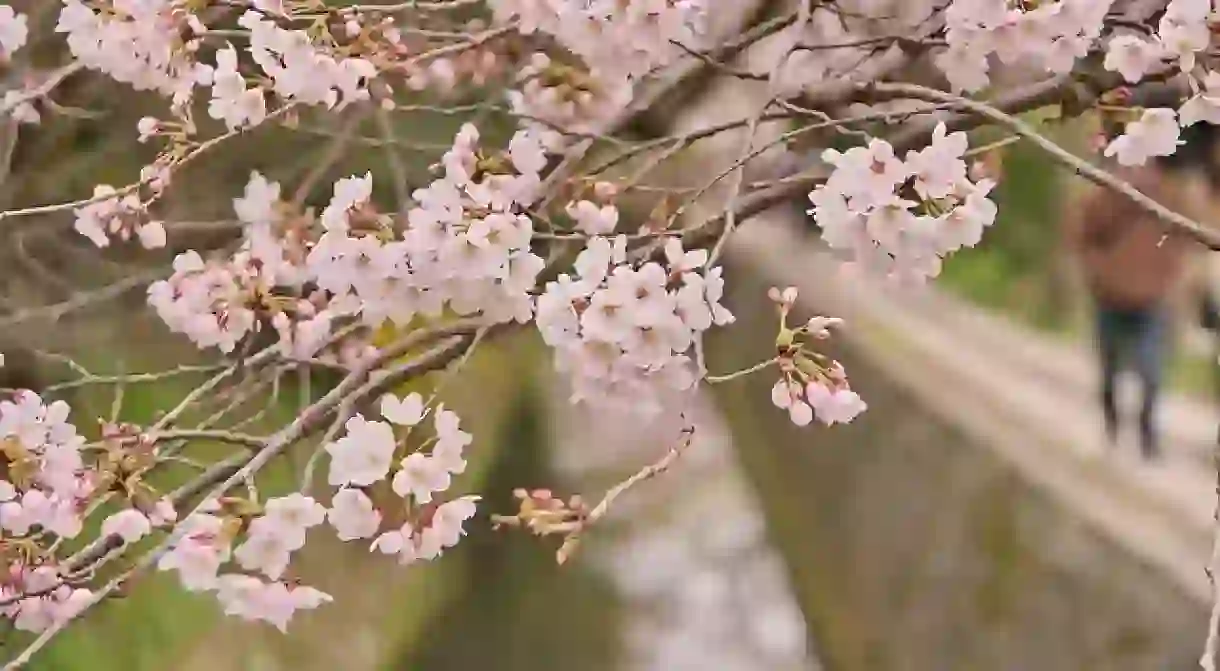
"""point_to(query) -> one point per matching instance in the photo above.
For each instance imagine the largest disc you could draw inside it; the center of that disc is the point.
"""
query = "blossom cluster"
(47, 471)
(626, 321)
(810, 385)
(112, 215)
(207, 301)
(46, 489)
(615, 38)
(372, 461)
(559, 95)
(900, 217)
(138, 42)
(204, 546)
(624, 331)
(1182, 33)
(466, 246)
(14, 32)
(843, 40)
(1050, 36)
(1155, 133)
(302, 72)
(614, 44)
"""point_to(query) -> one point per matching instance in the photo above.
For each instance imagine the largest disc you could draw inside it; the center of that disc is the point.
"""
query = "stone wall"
(912, 549)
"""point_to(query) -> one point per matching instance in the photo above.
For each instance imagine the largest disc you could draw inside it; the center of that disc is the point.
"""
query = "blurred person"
(1134, 271)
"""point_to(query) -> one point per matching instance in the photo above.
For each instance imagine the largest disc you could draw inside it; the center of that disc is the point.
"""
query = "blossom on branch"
(529, 216)
(901, 217)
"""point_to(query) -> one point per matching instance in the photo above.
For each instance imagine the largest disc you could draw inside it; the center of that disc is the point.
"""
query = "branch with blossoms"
(543, 514)
(532, 217)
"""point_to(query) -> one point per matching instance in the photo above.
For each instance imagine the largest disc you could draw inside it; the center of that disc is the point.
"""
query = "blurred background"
(969, 520)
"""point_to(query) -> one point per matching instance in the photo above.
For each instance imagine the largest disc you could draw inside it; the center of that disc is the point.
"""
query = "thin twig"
(717, 379)
(1174, 221)
(572, 542)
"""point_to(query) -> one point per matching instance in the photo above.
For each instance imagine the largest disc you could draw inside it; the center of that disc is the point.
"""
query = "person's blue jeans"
(1135, 340)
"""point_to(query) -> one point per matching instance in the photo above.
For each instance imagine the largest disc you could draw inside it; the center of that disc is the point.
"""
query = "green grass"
(1011, 269)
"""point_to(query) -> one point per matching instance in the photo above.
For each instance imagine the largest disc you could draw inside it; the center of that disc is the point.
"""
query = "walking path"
(1029, 398)
(702, 588)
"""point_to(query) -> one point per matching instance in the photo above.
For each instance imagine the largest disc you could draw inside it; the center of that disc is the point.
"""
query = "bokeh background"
(917, 538)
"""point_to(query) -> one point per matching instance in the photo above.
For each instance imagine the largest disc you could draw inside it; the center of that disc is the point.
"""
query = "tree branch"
(1173, 221)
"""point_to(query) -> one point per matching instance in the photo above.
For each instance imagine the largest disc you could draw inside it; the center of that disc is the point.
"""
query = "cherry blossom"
(275, 603)
(258, 204)
(295, 511)
(131, 525)
(789, 396)
(1132, 56)
(834, 405)
(231, 101)
(420, 476)
(1050, 36)
(364, 455)
(481, 242)
(51, 605)
(446, 527)
(206, 301)
(43, 436)
(300, 70)
(199, 553)
(352, 515)
(428, 541)
(14, 30)
(1183, 30)
(626, 39)
(1204, 105)
(407, 411)
(138, 46)
(1155, 133)
(163, 513)
(451, 440)
(616, 328)
(350, 193)
(120, 216)
(592, 219)
(862, 212)
(269, 546)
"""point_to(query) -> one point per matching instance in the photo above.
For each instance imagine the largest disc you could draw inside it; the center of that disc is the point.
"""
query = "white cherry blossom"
(420, 476)
(407, 411)
(14, 30)
(1132, 56)
(1155, 133)
(131, 525)
(353, 515)
(364, 455)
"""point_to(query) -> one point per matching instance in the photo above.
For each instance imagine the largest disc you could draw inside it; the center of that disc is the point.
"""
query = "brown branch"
(1174, 222)
(572, 542)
